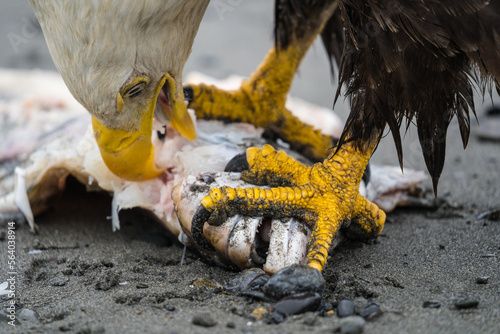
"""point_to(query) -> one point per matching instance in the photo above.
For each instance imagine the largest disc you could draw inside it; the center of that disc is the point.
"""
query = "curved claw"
(199, 219)
(367, 174)
(244, 241)
(188, 94)
(325, 197)
(237, 164)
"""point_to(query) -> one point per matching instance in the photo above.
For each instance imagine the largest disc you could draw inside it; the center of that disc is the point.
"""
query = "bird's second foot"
(260, 101)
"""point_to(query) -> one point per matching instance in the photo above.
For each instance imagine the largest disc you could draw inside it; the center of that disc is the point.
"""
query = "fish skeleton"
(47, 136)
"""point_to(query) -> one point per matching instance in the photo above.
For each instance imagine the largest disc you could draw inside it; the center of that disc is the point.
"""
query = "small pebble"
(310, 321)
(58, 282)
(107, 280)
(207, 178)
(295, 279)
(345, 308)
(204, 320)
(65, 328)
(370, 311)
(352, 325)
(171, 308)
(277, 317)
(250, 279)
(231, 325)
(26, 315)
(490, 215)
(237, 311)
(431, 304)
(324, 308)
(142, 286)
(465, 303)
(359, 303)
(298, 303)
(482, 280)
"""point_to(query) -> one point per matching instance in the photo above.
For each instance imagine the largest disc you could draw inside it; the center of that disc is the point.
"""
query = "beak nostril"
(200, 217)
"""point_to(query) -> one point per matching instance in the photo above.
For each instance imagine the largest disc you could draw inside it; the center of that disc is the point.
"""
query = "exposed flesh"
(46, 136)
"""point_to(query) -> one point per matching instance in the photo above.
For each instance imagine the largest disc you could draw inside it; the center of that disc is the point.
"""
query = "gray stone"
(298, 303)
(27, 315)
(107, 280)
(310, 321)
(247, 280)
(482, 280)
(204, 320)
(464, 303)
(352, 325)
(431, 304)
(294, 279)
(345, 308)
(371, 311)
(359, 304)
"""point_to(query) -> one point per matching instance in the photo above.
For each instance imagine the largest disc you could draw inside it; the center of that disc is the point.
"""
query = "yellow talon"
(230, 193)
(207, 203)
(251, 154)
(325, 197)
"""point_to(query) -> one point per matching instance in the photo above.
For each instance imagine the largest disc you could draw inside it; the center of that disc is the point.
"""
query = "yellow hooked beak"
(130, 155)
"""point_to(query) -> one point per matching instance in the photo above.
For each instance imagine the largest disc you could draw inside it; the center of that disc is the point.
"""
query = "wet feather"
(406, 60)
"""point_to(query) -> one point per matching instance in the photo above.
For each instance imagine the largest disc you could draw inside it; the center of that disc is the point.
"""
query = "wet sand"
(88, 279)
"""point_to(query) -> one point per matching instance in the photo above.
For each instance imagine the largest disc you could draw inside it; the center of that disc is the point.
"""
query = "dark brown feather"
(333, 38)
(409, 60)
(295, 18)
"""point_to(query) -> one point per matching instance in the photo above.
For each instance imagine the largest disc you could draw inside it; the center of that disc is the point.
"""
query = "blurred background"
(233, 38)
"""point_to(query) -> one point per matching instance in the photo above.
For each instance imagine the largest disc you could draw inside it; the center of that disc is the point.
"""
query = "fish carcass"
(46, 136)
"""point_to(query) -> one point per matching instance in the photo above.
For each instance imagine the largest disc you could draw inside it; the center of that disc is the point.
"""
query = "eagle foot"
(260, 101)
(324, 197)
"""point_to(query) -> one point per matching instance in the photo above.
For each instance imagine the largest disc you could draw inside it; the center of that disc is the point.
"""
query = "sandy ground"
(73, 284)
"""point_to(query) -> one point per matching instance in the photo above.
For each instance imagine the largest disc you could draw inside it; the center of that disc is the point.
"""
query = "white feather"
(100, 45)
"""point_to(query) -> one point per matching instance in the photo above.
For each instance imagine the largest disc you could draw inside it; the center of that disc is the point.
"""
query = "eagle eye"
(134, 89)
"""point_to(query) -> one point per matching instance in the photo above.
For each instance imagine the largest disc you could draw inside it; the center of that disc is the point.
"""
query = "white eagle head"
(118, 58)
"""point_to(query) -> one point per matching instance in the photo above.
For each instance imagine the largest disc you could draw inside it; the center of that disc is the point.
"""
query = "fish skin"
(53, 139)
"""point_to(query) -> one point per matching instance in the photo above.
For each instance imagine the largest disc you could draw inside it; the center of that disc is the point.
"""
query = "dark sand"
(72, 285)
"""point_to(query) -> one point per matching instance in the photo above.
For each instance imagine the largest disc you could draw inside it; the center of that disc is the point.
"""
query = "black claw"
(238, 163)
(493, 111)
(200, 217)
(188, 94)
(366, 174)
